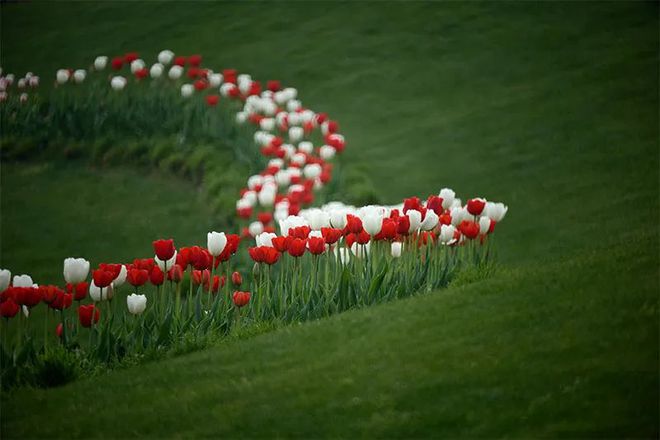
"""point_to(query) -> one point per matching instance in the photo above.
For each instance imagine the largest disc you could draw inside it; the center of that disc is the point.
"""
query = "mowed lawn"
(551, 108)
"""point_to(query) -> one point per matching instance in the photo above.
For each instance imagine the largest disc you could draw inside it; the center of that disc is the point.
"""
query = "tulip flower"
(353, 224)
(164, 265)
(316, 245)
(75, 270)
(236, 279)
(100, 63)
(447, 196)
(137, 277)
(22, 281)
(79, 76)
(118, 83)
(484, 225)
(100, 293)
(372, 222)
(62, 76)
(136, 304)
(87, 314)
(241, 298)
(396, 249)
(164, 249)
(156, 71)
(476, 206)
(469, 228)
(296, 247)
(331, 235)
(216, 242)
(187, 90)
(8, 308)
(175, 72)
(165, 56)
(175, 273)
(5, 278)
(61, 301)
(430, 221)
(79, 291)
(103, 278)
(415, 218)
(495, 211)
(117, 63)
(157, 277)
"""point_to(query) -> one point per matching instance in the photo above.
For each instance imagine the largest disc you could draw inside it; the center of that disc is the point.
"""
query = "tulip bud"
(100, 63)
(396, 249)
(5, 278)
(216, 242)
(236, 279)
(22, 281)
(79, 76)
(62, 76)
(76, 270)
(187, 90)
(118, 83)
(175, 72)
(136, 303)
(156, 70)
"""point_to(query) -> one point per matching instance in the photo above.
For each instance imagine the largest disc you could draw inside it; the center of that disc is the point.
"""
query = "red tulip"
(212, 100)
(59, 330)
(131, 56)
(445, 219)
(179, 61)
(435, 203)
(117, 63)
(200, 84)
(137, 277)
(403, 225)
(476, 206)
(48, 293)
(469, 228)
(197, 277)
(236, 279)
(265, 217)
(79, 291)
(316, 245)
(241, 298)
(387, 230)
(164, 249)
(411, 203)
(301, 232)
(103, 278)
(157, 277)
(363, 237)
(331, 235)
(353, 224)
(86, 313)
(144, 264)
(175, 273)
(28, 296)
(270, 255)
(114, 268)
(256, 254)
(296, 247)
(244, 213)
(142, 73)
(281, 243)
(273, 85)
(62, 301)
(200, 258)
(217, 283)
(195, 60)
(8, 308)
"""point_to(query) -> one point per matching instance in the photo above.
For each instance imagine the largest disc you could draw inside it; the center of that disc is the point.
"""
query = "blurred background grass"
(550, 107)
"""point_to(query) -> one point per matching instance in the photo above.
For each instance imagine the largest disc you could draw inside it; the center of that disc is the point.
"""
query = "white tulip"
(23, 97)
(312, 171)
(165, 265)
(296, 134)
(447, 233)
(156, 70)
(255, 228)
(100, 294)
(241, 117)
(5, 278)
(293, 105)
(75, 270)
(62, 76)
(495, 211)
(372, 222)
(338, 219)
(267, 197)
(457, 215)
(165, 56)
(187, 90)
(21, 83)
(100, 63)
(136, 303)
(430, 221)
(265, 239)
(226, 89)
(118, 82)
(267, 124)
(121, 278)
(215, 79)
(447, 196)
(396, 249)
(34, 81)
(415, 218)
(484, 225)
(79, 76)
(175, 72)
(22, 281)
(318, 219)
(10, 78)
(327, 152)
(360, 250)
(306, 147)
(216, 242)
(137, 65)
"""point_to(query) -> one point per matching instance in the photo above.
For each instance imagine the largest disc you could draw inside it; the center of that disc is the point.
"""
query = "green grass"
(552, 108)
(57, 209)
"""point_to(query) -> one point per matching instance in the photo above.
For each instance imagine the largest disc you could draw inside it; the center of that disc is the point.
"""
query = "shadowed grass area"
(549, 107)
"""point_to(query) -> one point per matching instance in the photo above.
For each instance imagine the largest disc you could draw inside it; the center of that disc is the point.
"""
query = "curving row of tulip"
(324, 260)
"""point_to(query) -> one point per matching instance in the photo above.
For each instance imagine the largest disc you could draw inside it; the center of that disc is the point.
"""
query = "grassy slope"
(550, 107)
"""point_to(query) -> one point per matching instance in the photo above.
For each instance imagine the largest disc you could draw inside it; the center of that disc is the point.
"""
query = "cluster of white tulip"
(28, 81)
